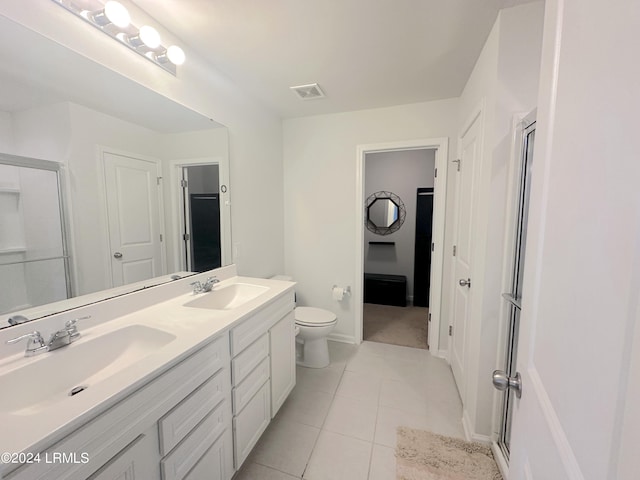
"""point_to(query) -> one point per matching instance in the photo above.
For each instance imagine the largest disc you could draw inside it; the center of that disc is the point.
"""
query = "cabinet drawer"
(177, 464)
(176, 424)
(244, 363)
(251, 423)
(217, 462)
(249, 330)
(244, 392)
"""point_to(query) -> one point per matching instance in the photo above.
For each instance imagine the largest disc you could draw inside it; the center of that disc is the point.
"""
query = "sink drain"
(77, 390)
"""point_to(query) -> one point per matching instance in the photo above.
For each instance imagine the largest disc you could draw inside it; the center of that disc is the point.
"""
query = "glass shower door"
(513, 297)
(34, 266)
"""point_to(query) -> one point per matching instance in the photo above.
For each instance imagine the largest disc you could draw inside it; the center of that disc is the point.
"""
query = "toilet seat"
(314, 317)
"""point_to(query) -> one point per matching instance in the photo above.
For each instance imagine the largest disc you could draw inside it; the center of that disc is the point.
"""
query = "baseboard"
(469, 434)
(442, 354)
(338, 337)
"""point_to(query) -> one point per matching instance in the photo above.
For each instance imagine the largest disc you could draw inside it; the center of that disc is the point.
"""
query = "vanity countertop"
(35, 428)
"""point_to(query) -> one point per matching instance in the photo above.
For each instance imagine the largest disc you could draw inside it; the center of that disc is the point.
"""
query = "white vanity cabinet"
(262, 371)
(165, 429)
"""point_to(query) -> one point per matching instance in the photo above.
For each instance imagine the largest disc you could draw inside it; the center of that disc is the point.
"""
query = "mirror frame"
(395, 226)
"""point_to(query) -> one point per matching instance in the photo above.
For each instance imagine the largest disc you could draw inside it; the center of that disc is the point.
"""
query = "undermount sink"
(79, 366)
(227, 298)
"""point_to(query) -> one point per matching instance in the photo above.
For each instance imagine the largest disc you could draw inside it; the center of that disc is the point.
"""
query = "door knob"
(502, 381)
(465, 283)
(117, 255)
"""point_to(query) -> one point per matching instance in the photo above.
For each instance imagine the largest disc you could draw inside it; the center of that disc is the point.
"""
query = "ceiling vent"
(308, 92)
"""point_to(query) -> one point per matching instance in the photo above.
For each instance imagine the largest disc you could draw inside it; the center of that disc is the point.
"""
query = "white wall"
(255, 133)
(320, 202)
(401, 172)
(504, 81)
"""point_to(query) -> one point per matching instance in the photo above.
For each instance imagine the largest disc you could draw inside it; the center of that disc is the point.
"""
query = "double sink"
(54, 377)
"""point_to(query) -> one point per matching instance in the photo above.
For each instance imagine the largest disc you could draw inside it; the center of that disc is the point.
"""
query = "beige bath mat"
(422, 455)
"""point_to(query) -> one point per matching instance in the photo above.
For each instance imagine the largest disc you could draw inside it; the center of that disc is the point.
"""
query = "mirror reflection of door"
(201, 200)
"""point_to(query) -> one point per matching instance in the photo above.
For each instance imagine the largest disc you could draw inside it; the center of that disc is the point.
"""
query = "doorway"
(384, 249)
(201, 222)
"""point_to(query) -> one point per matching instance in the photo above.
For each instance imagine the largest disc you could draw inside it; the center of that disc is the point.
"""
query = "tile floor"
(340, 422)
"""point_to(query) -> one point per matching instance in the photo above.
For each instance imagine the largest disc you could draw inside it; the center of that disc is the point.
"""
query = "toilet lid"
(311, 316)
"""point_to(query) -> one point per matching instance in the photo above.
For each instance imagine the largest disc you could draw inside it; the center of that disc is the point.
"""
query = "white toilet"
(315, 325)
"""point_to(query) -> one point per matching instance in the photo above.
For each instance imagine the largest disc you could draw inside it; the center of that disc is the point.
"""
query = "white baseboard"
(442, 354)
(469, 433)
(338, 337)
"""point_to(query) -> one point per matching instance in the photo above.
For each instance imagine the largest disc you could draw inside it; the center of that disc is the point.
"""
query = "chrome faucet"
(35, 344)
(207, 286)
(61, 338)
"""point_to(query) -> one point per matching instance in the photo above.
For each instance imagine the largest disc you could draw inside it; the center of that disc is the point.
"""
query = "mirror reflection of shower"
(201, 206)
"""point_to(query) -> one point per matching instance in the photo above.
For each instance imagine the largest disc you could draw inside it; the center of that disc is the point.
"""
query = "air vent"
(308, 92)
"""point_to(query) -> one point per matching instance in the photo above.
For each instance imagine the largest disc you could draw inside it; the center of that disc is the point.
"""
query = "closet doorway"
(393, 181)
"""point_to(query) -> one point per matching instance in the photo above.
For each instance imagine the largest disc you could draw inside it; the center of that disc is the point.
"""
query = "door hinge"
(186, 237)
(450, 330)
(435, 173)
(184, 183)
(158, 180)
(454, 250)
(458, 162)
(429, 317)
(160, 237)
(433, 246)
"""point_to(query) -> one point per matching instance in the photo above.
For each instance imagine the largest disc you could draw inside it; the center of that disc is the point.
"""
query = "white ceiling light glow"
(117, 14)
(113, 18)
(150, 37)
(176, 55)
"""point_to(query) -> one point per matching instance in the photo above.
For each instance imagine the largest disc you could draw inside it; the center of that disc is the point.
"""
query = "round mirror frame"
(395, 226)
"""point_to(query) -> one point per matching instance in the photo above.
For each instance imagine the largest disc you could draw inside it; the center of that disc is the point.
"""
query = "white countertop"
(192, 327)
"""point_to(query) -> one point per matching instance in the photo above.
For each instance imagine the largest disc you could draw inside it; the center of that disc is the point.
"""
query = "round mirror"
(384, 213)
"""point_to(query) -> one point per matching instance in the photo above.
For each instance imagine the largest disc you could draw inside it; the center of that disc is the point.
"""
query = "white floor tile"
(320, 379)
(359, 385)
(285, 446)
(383, 463)
(409, 397)
(353, 417)
(306, 406)
(340, 353)
(253, 471)
(394, 351)
(336, 457)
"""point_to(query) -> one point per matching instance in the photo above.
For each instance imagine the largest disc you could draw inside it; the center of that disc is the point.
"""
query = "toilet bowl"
(315, 324)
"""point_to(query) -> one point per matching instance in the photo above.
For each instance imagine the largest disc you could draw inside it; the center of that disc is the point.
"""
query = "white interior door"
(465, 193)
(579, 342)
(133, 209)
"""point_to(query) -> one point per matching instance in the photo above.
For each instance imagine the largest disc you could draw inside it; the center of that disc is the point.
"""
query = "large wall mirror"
(95, 195)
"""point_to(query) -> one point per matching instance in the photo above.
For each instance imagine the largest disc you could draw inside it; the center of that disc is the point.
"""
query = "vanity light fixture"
(113, 18)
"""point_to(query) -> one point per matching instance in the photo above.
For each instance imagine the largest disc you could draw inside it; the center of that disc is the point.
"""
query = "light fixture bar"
(112, 18)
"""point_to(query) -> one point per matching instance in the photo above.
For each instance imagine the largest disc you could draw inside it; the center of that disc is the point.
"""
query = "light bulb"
(175, 55)
(149, 36)
(117, 14)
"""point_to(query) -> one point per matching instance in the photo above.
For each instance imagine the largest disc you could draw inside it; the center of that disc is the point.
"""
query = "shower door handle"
(502, 381)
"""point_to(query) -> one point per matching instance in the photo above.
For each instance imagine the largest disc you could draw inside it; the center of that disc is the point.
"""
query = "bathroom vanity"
(170, 384)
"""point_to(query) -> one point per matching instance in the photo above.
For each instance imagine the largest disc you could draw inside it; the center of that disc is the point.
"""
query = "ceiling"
(363, 53)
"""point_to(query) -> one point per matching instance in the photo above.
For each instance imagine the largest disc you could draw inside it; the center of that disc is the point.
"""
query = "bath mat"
(422, 455)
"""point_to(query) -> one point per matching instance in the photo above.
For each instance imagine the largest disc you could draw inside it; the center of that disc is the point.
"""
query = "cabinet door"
(217, 463)
(283, 361)
(251, 423)
(137, 460)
